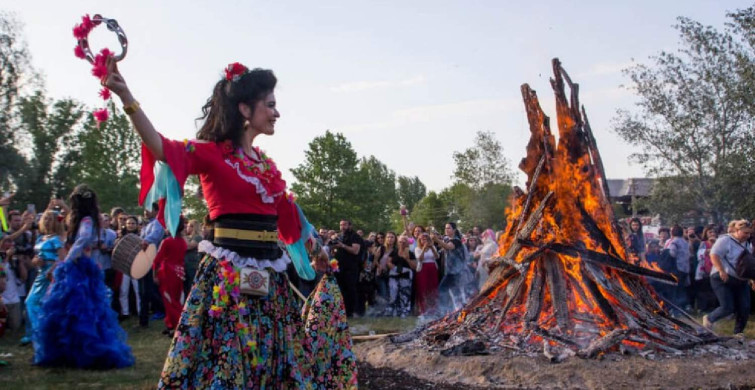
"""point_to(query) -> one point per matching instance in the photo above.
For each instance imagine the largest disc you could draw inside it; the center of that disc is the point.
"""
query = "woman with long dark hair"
(452, 290)
(636, 239)
(241, 326)
(77, 327)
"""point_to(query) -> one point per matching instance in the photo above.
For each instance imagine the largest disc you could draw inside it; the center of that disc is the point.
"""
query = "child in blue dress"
(48, 250)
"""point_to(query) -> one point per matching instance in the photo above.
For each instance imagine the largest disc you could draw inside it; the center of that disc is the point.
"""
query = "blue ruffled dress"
(77, 327)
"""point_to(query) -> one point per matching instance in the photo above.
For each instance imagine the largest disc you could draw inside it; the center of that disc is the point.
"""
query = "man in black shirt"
(347, 252)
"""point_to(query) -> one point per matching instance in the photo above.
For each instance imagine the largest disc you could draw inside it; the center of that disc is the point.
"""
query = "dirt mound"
(500, 370)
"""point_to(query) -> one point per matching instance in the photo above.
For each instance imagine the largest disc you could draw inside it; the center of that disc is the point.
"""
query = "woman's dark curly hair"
(83, 203)
(221, 115)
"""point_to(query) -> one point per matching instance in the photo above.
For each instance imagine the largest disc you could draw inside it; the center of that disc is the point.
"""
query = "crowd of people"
(703, 259)
(417, 271)
(52, 282)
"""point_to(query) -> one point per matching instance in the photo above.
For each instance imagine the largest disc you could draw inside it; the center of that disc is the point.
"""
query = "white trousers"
(123, 294)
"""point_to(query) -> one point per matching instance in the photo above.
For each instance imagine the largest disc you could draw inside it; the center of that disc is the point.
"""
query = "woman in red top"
(169, 276)
(242, 325)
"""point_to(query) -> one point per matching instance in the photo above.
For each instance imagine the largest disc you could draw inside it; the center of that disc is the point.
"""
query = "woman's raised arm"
(116, 83)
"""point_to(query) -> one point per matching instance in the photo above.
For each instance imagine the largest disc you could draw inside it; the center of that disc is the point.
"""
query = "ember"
(563, 283)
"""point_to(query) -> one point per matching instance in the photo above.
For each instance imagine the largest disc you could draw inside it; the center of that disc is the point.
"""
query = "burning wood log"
(562, 278)
(604, 343)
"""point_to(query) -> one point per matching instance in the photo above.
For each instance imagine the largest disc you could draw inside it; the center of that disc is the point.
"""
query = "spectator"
(733, 293)
(426, 279)
(152, 234)
(192, 236)
(131, 226)
(679, 251)
(452, 293)
(694, 245)
(663, 235)
(117, 218)
(400, 264)
(483, 255)
(381, 255)
(637, 239)
(169, 276)
(49, 250)
(207, 228)
(366, 286)
(704, 296)
(102, 253)
(347, 250)
(10, 297)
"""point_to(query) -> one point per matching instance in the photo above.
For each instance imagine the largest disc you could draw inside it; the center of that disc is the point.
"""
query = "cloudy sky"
(409, 82)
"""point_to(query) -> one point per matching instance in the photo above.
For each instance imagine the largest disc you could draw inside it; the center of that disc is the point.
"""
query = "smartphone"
(31, 208)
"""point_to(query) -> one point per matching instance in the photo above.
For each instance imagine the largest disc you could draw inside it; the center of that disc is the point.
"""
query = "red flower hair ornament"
(234, 71)
(99, 62)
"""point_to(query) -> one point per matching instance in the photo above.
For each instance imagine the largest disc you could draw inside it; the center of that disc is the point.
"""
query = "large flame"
(569, 278)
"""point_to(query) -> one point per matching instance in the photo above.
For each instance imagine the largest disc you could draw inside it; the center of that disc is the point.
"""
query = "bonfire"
(562, 282)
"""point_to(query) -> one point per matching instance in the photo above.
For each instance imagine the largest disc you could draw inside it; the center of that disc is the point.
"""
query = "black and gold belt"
(252, 235)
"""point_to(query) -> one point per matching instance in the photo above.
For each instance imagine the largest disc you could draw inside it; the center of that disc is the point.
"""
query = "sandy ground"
(391, 366)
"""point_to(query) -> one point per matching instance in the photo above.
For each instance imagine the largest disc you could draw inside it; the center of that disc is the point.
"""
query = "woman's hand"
(724, 276)
(115, 81)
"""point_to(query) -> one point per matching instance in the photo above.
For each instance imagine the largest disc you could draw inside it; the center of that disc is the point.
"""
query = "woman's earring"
(246, 123)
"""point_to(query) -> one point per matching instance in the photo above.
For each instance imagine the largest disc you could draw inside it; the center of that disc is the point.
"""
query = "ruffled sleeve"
(84, 238)
(163, 182)
(294, 231)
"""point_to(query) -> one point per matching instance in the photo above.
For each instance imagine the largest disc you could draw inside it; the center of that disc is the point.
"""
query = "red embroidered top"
(231, 182)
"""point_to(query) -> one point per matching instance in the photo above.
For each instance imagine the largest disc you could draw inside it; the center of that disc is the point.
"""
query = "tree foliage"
(483, 163)
(694, 119)
(410, 191)
(107, 158)
(15, 68)
(49, 125)
(324, 181)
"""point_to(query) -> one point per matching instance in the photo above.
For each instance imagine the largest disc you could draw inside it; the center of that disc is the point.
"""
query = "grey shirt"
(728, 249)
(679, 249)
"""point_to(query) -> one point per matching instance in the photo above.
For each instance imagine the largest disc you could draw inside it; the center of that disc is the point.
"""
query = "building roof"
(637, 186)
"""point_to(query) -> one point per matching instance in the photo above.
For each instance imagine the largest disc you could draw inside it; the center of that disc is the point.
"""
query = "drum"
(129, 258)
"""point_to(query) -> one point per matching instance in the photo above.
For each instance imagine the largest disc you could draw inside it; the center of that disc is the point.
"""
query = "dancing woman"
(242, 325)
(77, 327)
(48, 250)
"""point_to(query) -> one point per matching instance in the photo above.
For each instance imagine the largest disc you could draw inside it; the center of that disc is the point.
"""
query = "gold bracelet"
(131, 108)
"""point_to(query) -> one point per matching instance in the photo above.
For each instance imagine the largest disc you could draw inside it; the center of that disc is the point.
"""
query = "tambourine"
(113, 26)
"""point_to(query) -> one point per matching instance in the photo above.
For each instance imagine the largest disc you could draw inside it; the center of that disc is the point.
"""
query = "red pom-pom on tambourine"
(99, 68)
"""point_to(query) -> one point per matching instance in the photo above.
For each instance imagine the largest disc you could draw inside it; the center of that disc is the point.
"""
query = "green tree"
(430, 211)
(49, 125)
(374, 195)
(410, 191)
(483, 163)
(107, 157)
(15, 71)
(194, 204)
(693, 121)
(324, 181)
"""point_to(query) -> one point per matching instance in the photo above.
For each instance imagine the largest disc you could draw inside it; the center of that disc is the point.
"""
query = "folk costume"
(169, 268)
(242, 325)
(46, 248)
(77, 327)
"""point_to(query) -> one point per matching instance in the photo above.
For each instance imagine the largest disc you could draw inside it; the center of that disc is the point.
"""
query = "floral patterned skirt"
(249, 342)
(327, 329)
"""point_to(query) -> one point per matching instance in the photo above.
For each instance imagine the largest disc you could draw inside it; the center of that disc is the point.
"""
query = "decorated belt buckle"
(254, 281)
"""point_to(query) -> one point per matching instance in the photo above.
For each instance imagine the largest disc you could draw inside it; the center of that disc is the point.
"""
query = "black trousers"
(150, 297)
(347, 282)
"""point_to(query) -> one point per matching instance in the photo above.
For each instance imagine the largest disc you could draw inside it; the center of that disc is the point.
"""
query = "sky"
(409, 82)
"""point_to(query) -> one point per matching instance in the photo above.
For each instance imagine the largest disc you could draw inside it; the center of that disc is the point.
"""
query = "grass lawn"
(150, 348)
